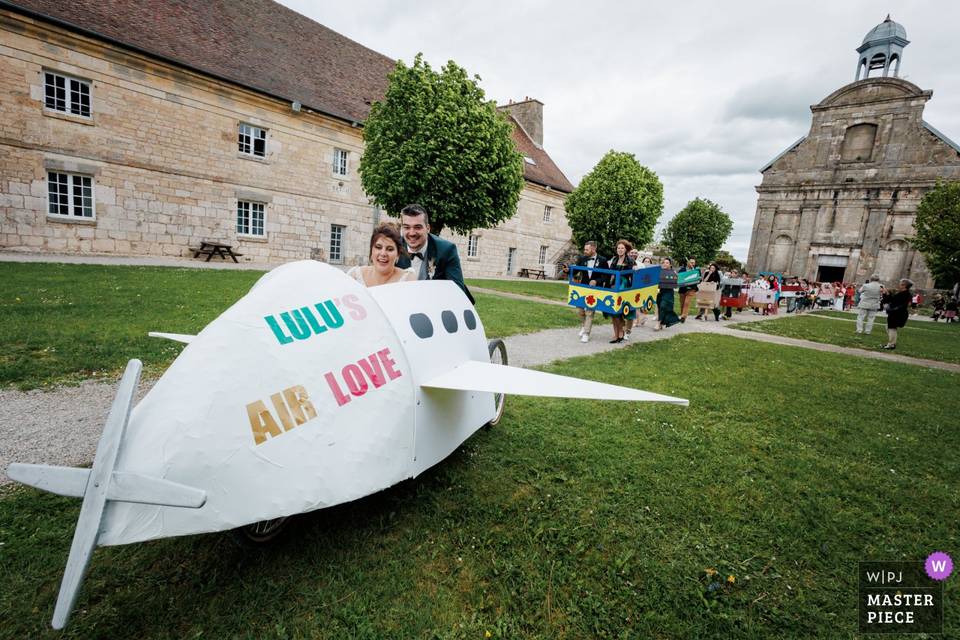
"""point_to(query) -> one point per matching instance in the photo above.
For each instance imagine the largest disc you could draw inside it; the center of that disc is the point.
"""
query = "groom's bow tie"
(417, 254)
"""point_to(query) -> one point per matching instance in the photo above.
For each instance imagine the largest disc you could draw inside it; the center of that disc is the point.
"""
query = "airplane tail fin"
(497, 378)
(98, 485)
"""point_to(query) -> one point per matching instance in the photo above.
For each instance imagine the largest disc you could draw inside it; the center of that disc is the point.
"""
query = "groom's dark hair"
(416, 210)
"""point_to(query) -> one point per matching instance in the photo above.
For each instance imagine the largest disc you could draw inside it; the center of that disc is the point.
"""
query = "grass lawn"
(742, 516)
(882, 321)
(551, 289)
(919, 340)
(65, 323)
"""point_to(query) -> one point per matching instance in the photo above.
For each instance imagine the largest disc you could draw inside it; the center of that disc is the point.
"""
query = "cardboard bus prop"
(628, 290)
(791, 291)
(733, 293)
(308, 392)
(763, 296)
(708, 295)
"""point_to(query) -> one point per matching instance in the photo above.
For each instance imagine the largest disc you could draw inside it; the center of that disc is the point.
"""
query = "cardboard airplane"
(308, 392)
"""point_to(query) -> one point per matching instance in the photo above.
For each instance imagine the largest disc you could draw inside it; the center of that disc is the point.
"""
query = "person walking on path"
(897, 305)
(868, 304)
(666, 316)
(705, 297)
(620, 262)
(688, 293)
(591, 261)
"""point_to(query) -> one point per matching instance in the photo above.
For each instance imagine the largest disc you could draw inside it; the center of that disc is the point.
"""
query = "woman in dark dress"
(897, 305)
(621, 262)
(666, 315)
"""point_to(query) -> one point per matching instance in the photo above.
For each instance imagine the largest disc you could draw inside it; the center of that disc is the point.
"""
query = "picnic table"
(212, 248)
(536, 274)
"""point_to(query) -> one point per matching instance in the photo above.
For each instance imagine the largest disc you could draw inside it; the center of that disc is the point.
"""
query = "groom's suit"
(441, 262)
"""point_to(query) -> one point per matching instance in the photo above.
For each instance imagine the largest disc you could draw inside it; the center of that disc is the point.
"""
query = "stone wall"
(161, 147)
(836, 194)
(526, 232)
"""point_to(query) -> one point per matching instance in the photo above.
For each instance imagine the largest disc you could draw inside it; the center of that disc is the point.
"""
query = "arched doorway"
(831, 268)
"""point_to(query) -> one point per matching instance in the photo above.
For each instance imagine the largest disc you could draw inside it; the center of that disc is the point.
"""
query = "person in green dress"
(666, 316)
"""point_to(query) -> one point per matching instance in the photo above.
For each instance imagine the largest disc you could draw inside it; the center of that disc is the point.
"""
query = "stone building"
(132, 128)
(839, 204)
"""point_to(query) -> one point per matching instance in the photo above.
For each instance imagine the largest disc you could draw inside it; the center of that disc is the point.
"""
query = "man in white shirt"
(869, 303)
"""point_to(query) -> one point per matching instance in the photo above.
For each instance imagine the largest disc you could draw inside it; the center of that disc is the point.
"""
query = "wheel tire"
(264, 531)
(498, 355)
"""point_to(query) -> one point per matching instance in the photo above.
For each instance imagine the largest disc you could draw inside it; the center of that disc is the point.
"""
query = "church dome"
(886, 29)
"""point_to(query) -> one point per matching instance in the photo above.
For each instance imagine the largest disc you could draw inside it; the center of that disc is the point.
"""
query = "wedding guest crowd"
(713, 291)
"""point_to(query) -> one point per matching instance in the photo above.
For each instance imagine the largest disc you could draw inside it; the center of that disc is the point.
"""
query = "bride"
(385, 247)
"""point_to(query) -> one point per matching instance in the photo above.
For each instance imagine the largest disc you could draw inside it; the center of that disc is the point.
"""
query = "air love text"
(292, 407)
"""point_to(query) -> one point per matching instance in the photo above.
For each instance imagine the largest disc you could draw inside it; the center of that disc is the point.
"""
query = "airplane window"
(421, 325)
(449, 321)
(469, 319)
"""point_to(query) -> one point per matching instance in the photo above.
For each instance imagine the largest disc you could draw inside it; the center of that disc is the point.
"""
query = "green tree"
(938, 232)
(698, 231)
(436, 141)
(619, 198)
(725, 261)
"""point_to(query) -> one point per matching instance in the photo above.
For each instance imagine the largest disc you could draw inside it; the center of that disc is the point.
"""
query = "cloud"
(785, 98)
(704, 93)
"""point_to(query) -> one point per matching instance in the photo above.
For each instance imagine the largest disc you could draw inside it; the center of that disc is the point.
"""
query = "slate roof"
(258, 44)
(545, 172)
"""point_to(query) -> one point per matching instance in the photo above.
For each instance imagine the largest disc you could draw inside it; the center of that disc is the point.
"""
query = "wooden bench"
(211, 248)
(536, 274)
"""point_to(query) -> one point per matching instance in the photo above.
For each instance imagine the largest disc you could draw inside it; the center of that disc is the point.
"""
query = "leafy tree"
(698, 231)
(619, 198)
(725, 261)
(938, 232)
(436, 141)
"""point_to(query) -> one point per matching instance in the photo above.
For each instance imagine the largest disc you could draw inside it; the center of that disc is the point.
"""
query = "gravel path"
(62, 426)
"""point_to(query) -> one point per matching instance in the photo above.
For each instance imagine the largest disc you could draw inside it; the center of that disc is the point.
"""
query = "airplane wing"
(177, 337)
(497, 378)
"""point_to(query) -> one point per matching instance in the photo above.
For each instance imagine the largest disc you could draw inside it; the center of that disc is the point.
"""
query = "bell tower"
(882, 48)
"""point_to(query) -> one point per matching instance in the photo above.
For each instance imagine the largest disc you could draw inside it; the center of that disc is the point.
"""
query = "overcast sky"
(702, 92)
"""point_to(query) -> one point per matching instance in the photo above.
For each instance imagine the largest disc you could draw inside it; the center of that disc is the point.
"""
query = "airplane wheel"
(264, 531)
(498, 355)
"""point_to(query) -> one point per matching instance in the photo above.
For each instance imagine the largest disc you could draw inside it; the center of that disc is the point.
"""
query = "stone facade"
(840, 203)
(526, 233)
(161, 148)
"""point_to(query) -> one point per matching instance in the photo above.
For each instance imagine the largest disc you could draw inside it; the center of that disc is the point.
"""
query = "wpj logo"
(901, 597)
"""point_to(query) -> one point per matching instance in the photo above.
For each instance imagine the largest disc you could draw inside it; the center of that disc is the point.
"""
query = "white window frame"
(247, 210)
(72, 180)
(547, 213)
(473, 246)
(338, 233)
(341, 162)
(543, 254)
(72, 94)
(247, 137)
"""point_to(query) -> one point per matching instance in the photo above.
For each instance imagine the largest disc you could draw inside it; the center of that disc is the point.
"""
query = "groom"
(431, 257)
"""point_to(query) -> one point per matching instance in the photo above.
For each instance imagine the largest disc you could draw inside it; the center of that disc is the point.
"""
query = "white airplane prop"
(309, 392)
